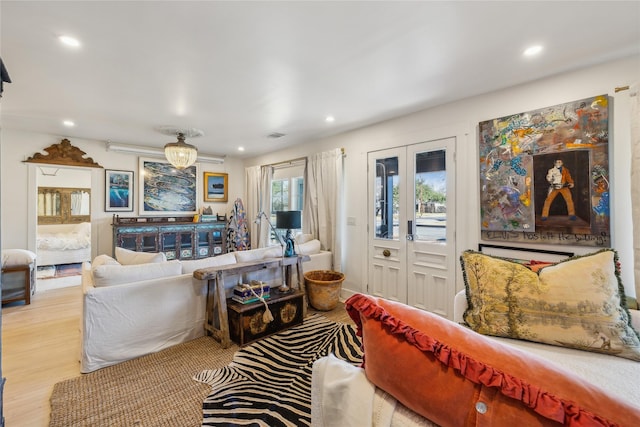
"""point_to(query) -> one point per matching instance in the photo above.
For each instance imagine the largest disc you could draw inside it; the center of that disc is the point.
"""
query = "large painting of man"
(542, 174)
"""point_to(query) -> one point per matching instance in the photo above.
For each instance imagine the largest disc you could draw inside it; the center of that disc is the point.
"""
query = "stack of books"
(244, 295)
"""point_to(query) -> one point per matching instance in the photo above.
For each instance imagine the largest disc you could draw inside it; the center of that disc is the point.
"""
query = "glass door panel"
(386, 199)
(169, 245)
(128, 242)
(149, 243)
(430, 196)
(186, 245)
(204, 243)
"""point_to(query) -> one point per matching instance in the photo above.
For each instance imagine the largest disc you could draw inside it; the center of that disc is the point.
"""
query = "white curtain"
(634, 94)
(258, 191)
(323, 183)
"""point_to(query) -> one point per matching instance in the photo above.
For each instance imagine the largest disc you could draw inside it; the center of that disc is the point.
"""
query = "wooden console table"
(216, 321)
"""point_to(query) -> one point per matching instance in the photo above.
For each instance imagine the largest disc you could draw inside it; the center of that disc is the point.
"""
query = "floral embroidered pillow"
(575, 303)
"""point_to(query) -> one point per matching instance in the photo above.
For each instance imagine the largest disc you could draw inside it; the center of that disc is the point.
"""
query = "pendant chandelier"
(180, 154)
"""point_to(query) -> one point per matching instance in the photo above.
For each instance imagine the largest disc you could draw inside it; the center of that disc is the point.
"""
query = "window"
(287, 194)
(287, 190)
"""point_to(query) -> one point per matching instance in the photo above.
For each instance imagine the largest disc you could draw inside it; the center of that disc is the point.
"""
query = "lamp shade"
(288, 219)
(180, 154)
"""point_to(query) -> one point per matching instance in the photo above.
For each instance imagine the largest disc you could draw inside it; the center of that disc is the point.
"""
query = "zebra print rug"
(268, 383)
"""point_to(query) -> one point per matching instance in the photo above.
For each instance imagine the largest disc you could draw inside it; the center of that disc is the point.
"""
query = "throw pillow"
(454, 376)
(189, 266)
(575, 303)
(108, 275)
(127, 257)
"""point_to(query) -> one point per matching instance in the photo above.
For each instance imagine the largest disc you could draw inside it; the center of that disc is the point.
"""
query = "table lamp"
(288, 220)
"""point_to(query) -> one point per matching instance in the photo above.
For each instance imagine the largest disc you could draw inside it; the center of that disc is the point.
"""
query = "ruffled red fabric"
(549, 406)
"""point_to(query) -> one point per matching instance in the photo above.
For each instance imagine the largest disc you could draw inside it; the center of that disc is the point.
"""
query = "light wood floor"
(40, 347)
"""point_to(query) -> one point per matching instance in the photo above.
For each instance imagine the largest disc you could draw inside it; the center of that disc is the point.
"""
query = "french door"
(412, 225)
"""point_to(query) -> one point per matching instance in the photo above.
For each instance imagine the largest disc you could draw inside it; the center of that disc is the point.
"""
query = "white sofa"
(144, 303)
(343, 395)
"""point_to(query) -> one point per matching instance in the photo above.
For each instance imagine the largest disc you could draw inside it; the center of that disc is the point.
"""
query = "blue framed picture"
(118, 191)
(166, 190)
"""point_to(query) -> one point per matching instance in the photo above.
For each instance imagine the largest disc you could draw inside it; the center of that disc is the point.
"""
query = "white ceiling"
(243, 70)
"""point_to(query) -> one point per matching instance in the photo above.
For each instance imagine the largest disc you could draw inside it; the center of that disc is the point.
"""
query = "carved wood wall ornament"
(63, 154)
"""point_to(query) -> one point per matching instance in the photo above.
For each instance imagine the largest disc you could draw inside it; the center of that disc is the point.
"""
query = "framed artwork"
(118, 191)
(216, 187)
(165, 190)
(544, 175)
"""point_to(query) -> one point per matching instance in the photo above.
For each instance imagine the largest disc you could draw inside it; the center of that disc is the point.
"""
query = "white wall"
(17, 178)
(460, 119)
(64, 177)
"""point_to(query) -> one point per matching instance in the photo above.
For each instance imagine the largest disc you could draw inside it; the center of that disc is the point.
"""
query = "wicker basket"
(323, 288)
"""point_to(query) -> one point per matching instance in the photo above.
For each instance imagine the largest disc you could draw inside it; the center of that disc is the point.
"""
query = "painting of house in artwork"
(544, 175)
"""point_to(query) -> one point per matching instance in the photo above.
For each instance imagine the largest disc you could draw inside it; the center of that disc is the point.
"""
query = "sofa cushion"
(252, 255)
(309, 248)
(454, 376)
(103, 260)
(576, 303)
(189, 266)
(109, 274)
(17, 257)
(128, 257)
(301, 238)
(273, 252)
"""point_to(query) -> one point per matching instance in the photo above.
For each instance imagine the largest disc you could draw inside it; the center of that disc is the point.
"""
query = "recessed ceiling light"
(69, 41)
(533, 50)
(240, 148)
(68, 123)
(330, 119)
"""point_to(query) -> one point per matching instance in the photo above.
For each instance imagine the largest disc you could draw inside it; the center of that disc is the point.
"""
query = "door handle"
(386, 253)
(410, 235)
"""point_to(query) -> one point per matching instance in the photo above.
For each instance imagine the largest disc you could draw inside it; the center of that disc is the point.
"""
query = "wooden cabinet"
(61, 205)
(178, 238)
(246, 321)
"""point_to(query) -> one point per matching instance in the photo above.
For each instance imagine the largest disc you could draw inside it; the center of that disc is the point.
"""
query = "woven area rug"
(153, 390)
(268, 383)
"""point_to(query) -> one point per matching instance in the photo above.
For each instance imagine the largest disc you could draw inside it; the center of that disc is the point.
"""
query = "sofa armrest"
(87, 277)
(322, 260)
(459, 306)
